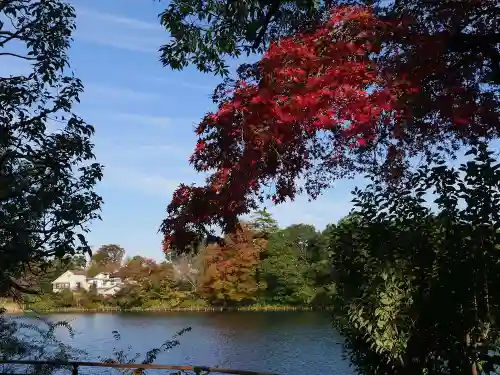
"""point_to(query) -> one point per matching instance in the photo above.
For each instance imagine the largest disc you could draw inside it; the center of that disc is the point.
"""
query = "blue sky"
(144, 116)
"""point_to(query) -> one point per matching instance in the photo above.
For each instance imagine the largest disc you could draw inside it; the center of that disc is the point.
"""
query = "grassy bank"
(10, 307)
(255, 308)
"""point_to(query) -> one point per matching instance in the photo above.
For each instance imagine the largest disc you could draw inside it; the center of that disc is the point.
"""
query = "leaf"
(44, 197)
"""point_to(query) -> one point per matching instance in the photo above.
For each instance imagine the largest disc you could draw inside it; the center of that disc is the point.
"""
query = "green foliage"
(285, 269)
(127, 356)
(108, 258)
(203, 33)
(296, 267)
(109, 254)
(271, 266)
(64, 298)
(40, 275)
(34, 338)
(321, 270)
(415, 285)
(263, 223)
(21, 339)
(77, 263)
(127, 298)
(47, 176)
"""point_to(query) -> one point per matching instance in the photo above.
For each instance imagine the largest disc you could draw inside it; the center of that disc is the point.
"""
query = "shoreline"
(21, 311)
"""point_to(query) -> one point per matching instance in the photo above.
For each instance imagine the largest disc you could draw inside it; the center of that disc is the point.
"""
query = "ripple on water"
(278, 342)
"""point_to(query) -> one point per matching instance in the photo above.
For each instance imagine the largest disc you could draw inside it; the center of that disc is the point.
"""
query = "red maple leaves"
(359, 82)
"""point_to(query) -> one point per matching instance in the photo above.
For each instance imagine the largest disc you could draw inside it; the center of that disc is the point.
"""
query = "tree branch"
(16, 55)
(11, 35)
(274, 8)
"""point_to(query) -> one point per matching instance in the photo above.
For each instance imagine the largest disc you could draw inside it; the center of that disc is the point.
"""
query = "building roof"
(104, 288)
(74, 272)
(84, 273)
(79, 272)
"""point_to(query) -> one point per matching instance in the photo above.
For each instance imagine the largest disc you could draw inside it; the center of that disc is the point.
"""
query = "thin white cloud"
(118, 31)
(131, 43)
(331, 206)
(196, 86)
(100, 92)
(159, 121)
(319, 213)
(206, 87)
(118, 19)
(327, 209)
(169, 151)
(124, 154)
(127, 178)
(156, 183)
(181, 125)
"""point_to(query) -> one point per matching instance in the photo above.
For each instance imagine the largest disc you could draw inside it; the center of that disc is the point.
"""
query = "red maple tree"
(363, 90)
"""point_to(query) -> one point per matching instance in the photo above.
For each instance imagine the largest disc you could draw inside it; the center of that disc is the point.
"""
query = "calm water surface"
(280, 342)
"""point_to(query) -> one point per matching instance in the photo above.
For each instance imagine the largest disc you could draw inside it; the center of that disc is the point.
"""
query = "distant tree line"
(258, 264)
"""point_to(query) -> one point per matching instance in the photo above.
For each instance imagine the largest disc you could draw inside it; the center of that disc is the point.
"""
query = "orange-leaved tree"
(364, 90)
(229, 274)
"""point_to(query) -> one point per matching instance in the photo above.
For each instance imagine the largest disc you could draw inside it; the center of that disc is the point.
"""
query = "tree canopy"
(229, 273)
(47, 175)
(414, 285)
(204, 33)
(224, 28)
(364, 89)
(108, 258)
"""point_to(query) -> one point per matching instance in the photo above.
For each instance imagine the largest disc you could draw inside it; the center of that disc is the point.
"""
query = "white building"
(72, 280)
(105, 283)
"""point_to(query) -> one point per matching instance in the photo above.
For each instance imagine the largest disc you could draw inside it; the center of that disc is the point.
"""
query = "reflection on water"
(278, 342)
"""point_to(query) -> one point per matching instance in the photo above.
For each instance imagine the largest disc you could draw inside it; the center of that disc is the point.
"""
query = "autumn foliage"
(139, 269)
(229, 271)
(361, 91)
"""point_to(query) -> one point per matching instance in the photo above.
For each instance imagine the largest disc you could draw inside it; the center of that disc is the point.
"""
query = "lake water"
(278, 342)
